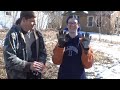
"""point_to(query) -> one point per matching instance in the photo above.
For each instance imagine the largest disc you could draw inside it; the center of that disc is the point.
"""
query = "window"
(90, 21)
(8, 13)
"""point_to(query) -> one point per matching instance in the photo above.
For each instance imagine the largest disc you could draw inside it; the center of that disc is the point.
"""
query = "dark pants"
(71, 76)
(33, 75)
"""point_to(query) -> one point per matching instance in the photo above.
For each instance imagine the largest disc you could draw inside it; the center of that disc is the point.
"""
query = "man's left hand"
(86, 38)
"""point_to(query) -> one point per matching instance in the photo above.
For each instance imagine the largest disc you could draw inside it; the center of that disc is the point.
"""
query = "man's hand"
(86, 38)
(37, 66)
(62, 38)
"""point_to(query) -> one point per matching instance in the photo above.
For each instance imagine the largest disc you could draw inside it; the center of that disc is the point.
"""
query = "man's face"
(72, 25)
(29, 23)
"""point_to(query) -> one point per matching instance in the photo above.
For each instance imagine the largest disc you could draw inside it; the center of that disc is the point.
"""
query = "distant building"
(7, 18)
(106, 22)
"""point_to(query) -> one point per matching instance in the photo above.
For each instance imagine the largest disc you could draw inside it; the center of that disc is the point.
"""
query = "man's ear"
(23, 19)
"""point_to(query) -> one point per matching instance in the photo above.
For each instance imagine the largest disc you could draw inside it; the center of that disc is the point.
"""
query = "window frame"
(90, 21)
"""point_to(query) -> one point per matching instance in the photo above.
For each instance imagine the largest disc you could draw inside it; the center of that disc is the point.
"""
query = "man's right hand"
(37, 66)
(61, 38)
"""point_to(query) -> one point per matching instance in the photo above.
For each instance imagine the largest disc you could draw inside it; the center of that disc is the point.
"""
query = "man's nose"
(34, 24)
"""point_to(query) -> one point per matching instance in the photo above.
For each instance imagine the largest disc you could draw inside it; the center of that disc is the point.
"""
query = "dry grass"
(101, 58)
(50, 72)
(2, 34)
(2, 67)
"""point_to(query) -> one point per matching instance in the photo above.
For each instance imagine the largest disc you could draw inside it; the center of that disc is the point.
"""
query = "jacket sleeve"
(10, 54)
(57, 55)
(42, 49)
(87, 58)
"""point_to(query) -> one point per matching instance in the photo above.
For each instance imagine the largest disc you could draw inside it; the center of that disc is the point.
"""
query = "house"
(106, 22)
(8, 18)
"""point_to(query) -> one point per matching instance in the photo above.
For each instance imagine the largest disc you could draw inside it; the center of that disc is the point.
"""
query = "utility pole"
(100, 24)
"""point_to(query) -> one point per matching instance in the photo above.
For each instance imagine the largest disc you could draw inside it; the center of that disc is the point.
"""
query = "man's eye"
(72, 23)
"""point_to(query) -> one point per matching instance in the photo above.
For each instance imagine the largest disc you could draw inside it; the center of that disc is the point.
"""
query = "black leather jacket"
(15, 54)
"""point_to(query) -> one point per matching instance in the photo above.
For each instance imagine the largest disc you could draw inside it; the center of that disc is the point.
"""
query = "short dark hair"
(27, 14)
(18, 21)
(73, 16)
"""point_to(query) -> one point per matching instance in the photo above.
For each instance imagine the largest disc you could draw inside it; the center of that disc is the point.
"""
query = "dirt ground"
(2, 67)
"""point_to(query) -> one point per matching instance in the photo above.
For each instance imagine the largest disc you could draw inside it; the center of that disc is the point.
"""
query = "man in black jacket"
(24, 49)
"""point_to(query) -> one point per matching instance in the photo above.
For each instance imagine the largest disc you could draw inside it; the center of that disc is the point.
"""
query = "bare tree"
(14, 16)
(41, 19)
(103, 22)
(108, 21)
(99, 22)
(6, 19)
(11, 17)
(55, 19)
